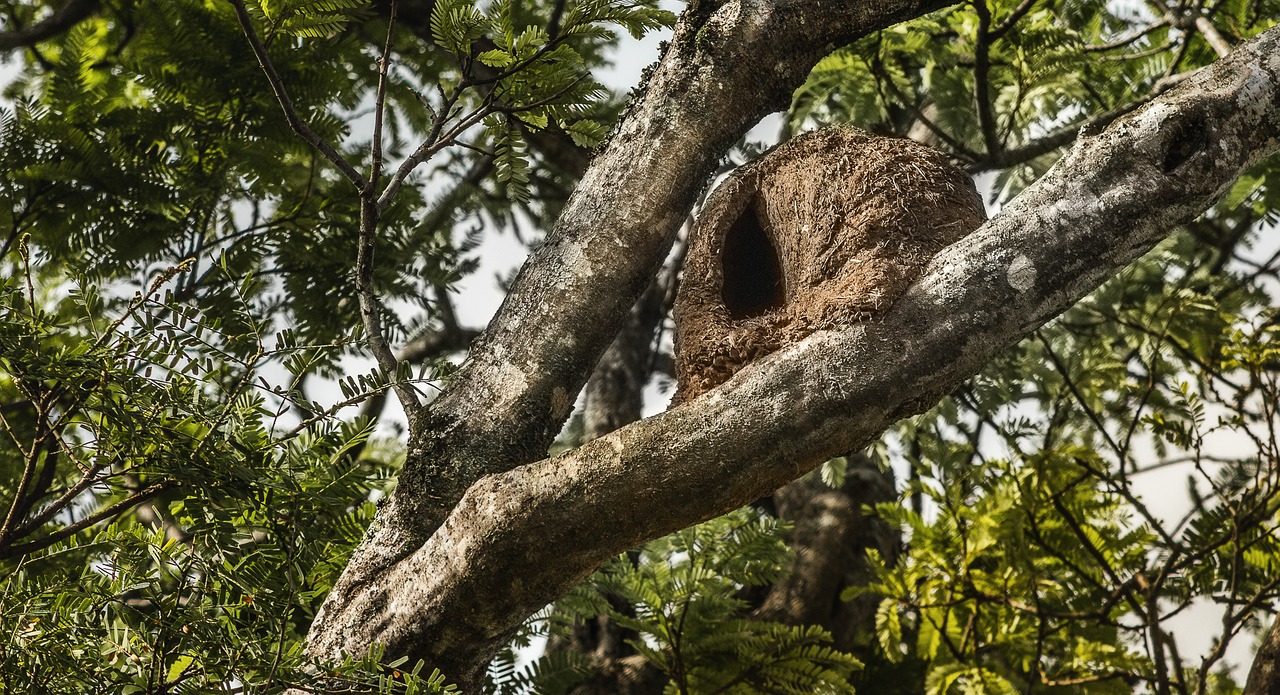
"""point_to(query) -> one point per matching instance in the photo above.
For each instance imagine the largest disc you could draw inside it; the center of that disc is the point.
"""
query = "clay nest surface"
(823, 231)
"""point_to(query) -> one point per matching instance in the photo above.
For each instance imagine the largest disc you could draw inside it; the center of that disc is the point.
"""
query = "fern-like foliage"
(1049, 566)
(310, 18)
(681, 598)
(167, 532)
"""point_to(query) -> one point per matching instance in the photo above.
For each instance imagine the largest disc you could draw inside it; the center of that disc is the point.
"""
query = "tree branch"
(452, 600)
(1264, 675)
(101, 515)
(1011, 157)
(1215, 39)
(508, 401)
(71, 14)
(371, 308)
(380, 101)
(981, 80)
(299, 126)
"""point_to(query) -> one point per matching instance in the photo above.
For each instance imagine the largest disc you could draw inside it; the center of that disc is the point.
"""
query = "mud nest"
(825, 230)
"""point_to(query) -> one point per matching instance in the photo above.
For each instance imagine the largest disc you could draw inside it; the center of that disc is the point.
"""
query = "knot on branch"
(823, 231)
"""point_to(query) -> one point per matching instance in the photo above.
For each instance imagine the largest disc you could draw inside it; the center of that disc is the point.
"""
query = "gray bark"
(725, 67)
(615, 391)
(483, 530)
(1264, 675)
(614, 398)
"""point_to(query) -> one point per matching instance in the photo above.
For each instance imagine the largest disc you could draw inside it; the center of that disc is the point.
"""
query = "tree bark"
(614, 398)
(829, 539)
(481, 533)
(1264, 675)
(724, 68)
(615, 391)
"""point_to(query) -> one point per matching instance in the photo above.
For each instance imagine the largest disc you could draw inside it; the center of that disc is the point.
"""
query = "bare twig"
(1041, 146)
(431, 145)
(1094, 417)
(299, 126)
(370, 307)
(71, 530)
(380, 105)
(1126, 40)
(17, 507)
(981, 79)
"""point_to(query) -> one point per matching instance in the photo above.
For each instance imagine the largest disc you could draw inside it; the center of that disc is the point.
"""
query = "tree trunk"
(1264, 675)
(830, 536)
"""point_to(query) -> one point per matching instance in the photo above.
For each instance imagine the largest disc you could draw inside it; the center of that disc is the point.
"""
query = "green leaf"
(497, 58)
(888, 628)
(179, 666)
(455, 24)
(586, 133)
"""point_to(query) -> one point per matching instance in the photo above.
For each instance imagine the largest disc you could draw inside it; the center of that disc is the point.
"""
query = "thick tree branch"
(723, 70)
(725, 67)
(1115, 195)
(1264, 675)
(71, 14)
(614, 398)
(510, 399)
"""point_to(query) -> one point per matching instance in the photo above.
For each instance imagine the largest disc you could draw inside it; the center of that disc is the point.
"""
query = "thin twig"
(371, 308)
(1018, 13)
(957, 148)
(101, 515)
(299, 126)
(982, 77)
(1125, 40)
(428, 148)
(16, 509)
(380, 103)
(1079, 397)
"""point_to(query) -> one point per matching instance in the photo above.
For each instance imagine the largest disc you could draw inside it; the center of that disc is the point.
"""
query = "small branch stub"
(825, 230)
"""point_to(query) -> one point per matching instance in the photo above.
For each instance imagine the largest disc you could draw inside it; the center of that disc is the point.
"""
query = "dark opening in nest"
(753, 282)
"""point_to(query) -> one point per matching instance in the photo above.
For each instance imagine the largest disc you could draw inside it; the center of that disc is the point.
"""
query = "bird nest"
(823, 231)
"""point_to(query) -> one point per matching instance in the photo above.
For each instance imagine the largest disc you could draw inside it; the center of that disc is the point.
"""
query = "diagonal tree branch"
(1264, 675)
(1114, 196)
(299, 126)
(509, 400)
(69, 15)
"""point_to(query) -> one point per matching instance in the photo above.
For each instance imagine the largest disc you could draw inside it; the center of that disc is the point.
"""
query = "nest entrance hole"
(753, 280)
